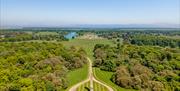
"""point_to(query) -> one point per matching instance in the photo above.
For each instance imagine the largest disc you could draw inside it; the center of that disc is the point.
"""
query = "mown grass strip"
(74, 76)
(84, 87)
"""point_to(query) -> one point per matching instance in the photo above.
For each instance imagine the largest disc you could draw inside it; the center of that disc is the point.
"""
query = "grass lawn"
(105, 76)
(77, 75)
(96, 87)
(84, 87)
(99, 87)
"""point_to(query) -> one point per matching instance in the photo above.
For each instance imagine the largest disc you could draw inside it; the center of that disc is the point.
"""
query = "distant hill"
(74, 26)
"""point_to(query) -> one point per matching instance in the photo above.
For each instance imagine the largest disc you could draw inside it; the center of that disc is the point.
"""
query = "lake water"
(71, 35)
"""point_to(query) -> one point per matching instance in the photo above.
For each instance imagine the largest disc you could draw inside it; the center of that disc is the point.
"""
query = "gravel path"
(91, 79)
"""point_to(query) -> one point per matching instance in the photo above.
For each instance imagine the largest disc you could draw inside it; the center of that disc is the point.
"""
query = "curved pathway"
(91, 79)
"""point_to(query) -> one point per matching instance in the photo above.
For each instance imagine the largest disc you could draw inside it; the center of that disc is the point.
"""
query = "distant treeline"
(155, 40)
(15, 36)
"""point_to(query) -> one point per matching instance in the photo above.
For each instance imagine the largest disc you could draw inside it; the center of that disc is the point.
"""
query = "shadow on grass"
(87, 88)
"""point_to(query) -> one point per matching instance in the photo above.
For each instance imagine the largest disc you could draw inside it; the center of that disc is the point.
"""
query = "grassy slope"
(84, 87)
(75, 76)
(105, 77)
(99, 87)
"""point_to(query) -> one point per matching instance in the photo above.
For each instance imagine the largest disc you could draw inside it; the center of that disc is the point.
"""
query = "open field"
(86, 44)
(90, 36)
(47, 33)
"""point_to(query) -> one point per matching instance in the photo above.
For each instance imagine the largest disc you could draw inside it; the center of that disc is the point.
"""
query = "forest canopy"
(37, 66)
(140, 67)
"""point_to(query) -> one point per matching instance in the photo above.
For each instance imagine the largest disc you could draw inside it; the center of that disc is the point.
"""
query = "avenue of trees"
(140, 67)
(34, 66)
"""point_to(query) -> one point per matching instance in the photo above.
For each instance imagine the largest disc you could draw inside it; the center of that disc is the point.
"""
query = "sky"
(69, 12)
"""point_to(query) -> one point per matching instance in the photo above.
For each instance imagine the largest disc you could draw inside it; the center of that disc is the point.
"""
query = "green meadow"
(47, 33)
(98, 87)
(77, 75)
(84, 87)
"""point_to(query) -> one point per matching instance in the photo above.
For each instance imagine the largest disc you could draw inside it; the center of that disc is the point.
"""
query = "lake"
(71, 35)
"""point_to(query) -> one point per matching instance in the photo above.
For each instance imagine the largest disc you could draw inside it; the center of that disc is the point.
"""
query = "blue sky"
(64, 12)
